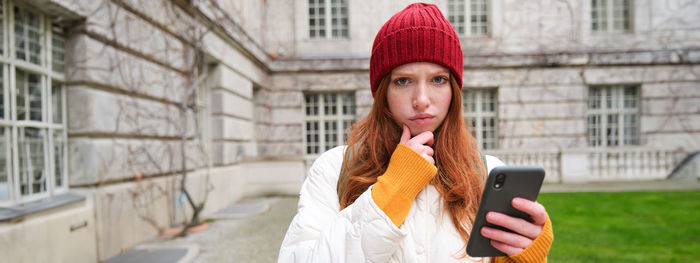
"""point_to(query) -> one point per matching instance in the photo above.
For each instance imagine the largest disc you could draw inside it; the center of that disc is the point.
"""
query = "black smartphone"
(502, 185)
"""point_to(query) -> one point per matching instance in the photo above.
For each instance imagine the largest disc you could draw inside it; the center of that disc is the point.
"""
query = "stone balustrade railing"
(592, 164)
(597, 164)
(548, 159)
(633, 163)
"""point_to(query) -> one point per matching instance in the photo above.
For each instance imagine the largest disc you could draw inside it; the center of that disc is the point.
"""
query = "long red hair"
(460, 176)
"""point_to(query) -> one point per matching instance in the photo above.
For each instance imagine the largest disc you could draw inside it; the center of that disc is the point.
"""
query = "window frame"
(479, 115)
(610, 18)
(619, 112)
(466, 13)
(202, 110)
(321, 118)
(9, 65)
(328, 17)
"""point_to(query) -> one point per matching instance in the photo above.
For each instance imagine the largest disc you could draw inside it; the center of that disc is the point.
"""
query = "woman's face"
(419, 95)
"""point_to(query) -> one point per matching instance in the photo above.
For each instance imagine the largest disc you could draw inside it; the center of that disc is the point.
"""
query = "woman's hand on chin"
(421, 143)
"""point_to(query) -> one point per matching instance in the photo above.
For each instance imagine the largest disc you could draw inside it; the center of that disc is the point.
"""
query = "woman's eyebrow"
(438, 72)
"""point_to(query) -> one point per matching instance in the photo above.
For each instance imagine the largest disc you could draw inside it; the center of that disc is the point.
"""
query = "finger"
(430, 159)
(507, 238)
(509, 250)
(405, 135)
(537, 213)
(429, 151)
(424, 138)
(518, 225)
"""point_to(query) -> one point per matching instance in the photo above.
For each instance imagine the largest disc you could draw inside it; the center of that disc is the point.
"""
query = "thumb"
(406, 135)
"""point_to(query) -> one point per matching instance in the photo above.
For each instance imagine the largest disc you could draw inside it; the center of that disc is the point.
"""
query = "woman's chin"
(418, 130)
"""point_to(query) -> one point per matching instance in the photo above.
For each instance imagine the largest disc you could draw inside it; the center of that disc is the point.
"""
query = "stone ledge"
(64, 10)
(507, 60)
(16, 212)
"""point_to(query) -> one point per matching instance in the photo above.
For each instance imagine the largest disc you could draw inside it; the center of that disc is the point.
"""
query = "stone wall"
(129, 67)
(65, 234)
(546, 107)
(283, 105)
(542, 57)
(516, 27)
(133, 212)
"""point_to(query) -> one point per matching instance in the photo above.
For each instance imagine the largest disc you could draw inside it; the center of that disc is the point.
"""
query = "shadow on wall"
(687, 169)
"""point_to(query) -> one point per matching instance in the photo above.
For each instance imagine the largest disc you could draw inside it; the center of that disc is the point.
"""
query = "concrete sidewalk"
(253, 229)
(250, 231)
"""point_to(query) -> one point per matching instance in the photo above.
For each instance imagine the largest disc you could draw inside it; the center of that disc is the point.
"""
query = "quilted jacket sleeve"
(321, 233)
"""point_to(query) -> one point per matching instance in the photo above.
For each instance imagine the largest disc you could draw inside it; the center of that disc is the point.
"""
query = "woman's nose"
(420, 97)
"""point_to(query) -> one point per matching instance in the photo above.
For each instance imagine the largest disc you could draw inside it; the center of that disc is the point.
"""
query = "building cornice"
(601, 58)
(223, 25)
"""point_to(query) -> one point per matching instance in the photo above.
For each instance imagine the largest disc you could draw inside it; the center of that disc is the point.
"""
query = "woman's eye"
(440, 80)
(401, 81)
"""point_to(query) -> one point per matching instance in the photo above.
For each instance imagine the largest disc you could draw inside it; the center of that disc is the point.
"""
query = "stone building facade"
(95, 135)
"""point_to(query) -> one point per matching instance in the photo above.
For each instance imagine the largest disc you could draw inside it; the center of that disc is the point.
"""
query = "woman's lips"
(422, 119)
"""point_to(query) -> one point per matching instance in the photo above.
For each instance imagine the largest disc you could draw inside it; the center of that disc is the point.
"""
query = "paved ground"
(252, 231)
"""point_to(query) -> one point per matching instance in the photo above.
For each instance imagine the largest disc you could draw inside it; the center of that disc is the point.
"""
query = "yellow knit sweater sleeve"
(535, 252)
(407, 174)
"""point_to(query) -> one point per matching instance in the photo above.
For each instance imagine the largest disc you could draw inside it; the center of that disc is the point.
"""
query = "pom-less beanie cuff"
(419, 33)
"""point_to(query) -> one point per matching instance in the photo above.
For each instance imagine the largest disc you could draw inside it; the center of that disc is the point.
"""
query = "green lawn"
(624, 226)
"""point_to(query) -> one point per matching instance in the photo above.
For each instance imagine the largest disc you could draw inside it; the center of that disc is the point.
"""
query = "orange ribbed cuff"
(535, 252)
(407, 174)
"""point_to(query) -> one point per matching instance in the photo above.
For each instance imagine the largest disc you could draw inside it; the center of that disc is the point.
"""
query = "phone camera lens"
(500, 180)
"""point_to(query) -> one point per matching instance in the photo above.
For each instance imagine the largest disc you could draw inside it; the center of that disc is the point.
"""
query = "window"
(33, 149)
(469, 16)
(319, 16)
(203, 112)
(613, 116)
(327, 118)
(480, 107)
(611, 16)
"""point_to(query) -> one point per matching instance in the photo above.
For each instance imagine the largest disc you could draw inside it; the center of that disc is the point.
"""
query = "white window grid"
(613, 16)
(323, 11)
(33, 148)
(613, 116)
(480, 109)
(58, 42)
(327, 117)
(470, 18)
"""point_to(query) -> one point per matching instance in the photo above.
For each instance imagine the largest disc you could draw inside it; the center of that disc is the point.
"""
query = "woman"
(408, 185)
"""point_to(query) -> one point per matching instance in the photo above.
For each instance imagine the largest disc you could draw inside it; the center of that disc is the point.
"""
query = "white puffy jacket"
(320, 232)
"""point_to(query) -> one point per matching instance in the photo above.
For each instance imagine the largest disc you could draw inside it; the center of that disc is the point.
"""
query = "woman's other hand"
(525, 231)
(421, 143)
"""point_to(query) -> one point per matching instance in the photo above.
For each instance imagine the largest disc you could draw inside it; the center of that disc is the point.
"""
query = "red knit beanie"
(419, 33)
